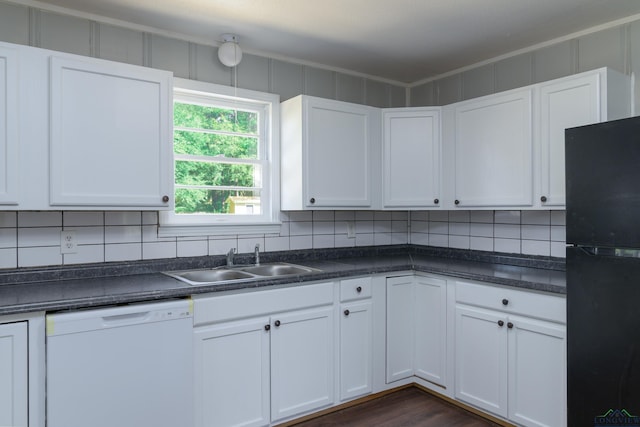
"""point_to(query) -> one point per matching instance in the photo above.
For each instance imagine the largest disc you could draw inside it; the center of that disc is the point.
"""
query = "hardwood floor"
(409, 407)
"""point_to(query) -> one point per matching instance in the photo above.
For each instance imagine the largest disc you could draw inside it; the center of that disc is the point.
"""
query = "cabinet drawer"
(532, 304)
(219, 308)
(353, 289)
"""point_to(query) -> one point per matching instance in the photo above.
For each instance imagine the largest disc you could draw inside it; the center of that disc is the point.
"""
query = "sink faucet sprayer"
(230, 255)
(257, 251)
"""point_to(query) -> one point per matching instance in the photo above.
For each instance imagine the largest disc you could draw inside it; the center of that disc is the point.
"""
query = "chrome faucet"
(257, 252)
(230, 255)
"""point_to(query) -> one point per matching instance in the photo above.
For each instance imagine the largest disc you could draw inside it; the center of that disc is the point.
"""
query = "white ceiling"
(400, 40)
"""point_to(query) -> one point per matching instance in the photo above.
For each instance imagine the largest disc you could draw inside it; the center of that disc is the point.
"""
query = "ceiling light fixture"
(229, 52)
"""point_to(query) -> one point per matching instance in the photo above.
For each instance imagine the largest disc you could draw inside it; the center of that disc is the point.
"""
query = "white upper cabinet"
(577, 100)
(493, 151)
(8, 125)
(328, 152)
(83, 133)
(411, 158)
(110, 129)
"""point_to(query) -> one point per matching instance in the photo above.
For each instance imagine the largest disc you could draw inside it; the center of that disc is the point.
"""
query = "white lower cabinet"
(356, 338)
(263, 356)
(232, 374)
(301, 362)
(417, 328)
(537, 372)
(510, 351)
(14, 380)
(22, 370)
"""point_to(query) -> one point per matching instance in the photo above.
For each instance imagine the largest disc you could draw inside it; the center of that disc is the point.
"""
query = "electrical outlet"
(68, 242)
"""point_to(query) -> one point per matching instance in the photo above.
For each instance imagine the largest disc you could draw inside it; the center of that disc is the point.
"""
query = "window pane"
(207, 144)
(193, 201)
(212, 118)
(218, 174)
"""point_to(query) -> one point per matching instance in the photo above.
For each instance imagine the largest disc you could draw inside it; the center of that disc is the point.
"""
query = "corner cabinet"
(411, 158)
(417, 329)
(9, 143)
(110, 129)
(510, 353)
(328, 152)
(581, 99)
(493, 151)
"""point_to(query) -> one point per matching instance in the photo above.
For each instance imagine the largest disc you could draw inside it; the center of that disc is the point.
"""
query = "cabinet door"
(356, 349)
(13, 375)
(302, 372)
(411, 158)
(8, 126)
(568, 103)
(400, 328)
(110, 135)
(537, 373)
(493, 151)
(430, 329)
(338, 157)
(481, 359)
(232, 374)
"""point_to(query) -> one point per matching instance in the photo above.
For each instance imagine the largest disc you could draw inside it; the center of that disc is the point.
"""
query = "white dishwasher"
(124, 366)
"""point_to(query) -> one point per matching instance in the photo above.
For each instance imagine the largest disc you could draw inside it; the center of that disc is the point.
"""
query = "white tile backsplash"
(39, 256)
(481, 229)
(536, 232)
(29, 239)
(39, 236)
(123, 218)
(536, 247)
(156, 250)
(123, 252)
(507, 217)
(189, 248)
(481, 243)
(74, 219)
(8, 238)
(519, 232)
(8, 257)
(39, 219)
(85, 254)
(536, 217)
(123, 234)
(509, 246)
(8, 219)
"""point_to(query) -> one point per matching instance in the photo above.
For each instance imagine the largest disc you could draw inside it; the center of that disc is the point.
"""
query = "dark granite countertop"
(62, 288)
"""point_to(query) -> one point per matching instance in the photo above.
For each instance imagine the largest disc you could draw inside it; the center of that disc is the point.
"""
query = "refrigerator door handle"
(612, 252)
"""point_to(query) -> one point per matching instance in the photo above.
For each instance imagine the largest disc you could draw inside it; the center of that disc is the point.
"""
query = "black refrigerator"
(603, 273)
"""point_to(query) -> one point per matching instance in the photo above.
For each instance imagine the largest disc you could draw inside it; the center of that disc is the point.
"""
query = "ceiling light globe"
(230, 54)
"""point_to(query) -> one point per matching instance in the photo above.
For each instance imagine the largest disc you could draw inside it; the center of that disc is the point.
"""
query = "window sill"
(218, 230)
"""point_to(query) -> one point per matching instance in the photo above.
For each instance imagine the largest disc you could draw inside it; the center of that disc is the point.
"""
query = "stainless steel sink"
(236, 273)
(279, 269)
(205, 276)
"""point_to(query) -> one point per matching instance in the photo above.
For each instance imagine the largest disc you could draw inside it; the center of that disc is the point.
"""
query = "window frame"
(172, 224)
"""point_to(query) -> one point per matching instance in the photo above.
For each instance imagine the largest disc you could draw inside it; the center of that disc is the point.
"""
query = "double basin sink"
(241, 272)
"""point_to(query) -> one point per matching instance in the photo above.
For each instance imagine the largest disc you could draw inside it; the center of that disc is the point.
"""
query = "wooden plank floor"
(409, 407)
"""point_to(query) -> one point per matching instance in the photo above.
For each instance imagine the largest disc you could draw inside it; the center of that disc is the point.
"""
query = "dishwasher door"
(128, 366)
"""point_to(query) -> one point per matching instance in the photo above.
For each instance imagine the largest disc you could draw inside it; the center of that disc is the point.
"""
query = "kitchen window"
(226, 169)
